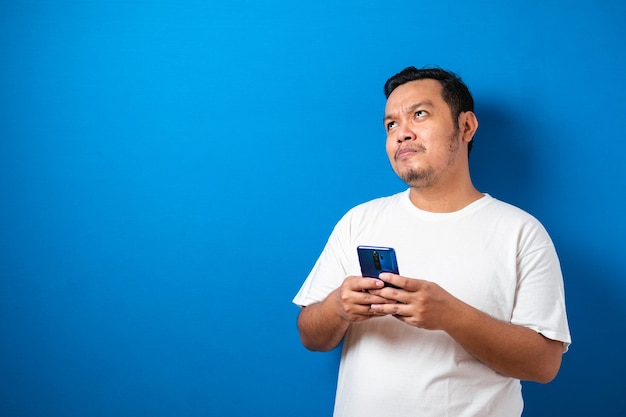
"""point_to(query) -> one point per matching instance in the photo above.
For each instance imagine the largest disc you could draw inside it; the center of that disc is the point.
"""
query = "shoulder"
(377, 205)
(505, 216)
(506, 210)
(364, 214)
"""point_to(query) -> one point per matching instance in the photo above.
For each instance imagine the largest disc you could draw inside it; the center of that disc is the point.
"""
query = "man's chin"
(417, 178)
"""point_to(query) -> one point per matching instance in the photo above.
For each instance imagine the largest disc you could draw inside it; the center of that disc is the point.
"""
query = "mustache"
(418, 148)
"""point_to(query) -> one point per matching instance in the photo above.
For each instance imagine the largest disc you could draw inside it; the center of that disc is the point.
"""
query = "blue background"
(170, 171)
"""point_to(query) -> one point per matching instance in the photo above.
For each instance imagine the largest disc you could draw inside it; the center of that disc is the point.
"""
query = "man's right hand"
(322, 325)
(353, 299)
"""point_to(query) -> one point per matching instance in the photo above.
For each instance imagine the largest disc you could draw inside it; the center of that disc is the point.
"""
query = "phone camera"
(376, 257)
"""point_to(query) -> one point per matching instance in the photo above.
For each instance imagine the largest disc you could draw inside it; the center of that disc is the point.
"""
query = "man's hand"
(356, 295)
(416, 302)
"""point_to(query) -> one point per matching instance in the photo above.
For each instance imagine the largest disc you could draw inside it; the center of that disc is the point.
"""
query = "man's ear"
(468, 124)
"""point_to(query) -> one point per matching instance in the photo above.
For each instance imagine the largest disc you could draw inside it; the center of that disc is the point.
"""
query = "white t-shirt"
(491, 255)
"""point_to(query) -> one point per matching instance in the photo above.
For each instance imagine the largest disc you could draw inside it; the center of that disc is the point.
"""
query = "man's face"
(423, 142)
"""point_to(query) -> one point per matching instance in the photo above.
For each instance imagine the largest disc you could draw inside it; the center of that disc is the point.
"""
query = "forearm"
(321, 326)
(509, 349)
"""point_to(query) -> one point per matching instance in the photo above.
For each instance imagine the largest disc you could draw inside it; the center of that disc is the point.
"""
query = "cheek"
(390, 147)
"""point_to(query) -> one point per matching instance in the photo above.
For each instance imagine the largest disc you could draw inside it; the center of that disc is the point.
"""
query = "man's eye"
(420, 113)
(391, 125)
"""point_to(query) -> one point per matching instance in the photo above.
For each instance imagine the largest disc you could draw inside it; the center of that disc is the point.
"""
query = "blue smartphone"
(377, 259)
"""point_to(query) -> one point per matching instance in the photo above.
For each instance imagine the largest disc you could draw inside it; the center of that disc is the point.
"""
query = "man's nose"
(405, 133)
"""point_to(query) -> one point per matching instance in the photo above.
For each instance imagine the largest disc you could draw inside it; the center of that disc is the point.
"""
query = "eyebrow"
(410, 109)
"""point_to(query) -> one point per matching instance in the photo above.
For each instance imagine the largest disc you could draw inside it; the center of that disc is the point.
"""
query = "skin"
(428, 150)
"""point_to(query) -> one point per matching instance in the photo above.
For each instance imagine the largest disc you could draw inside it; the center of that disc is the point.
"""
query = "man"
(480, 304)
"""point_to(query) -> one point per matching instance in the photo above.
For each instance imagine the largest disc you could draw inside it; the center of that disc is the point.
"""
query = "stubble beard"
(419, 178)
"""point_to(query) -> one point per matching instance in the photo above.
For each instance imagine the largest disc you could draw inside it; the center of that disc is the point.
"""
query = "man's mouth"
(406, 152)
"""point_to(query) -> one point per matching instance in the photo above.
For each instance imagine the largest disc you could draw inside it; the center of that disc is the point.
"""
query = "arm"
(322, 325)
(509, 349)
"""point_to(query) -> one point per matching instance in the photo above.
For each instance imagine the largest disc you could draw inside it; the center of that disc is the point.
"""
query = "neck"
(444, 201)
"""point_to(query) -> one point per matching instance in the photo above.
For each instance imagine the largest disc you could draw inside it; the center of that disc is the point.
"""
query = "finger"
(370, 299)
(408, 284)
(393, 279)
(363, 297)
(357, 312)
(389, 308)
(369, 284)
(393, 294)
